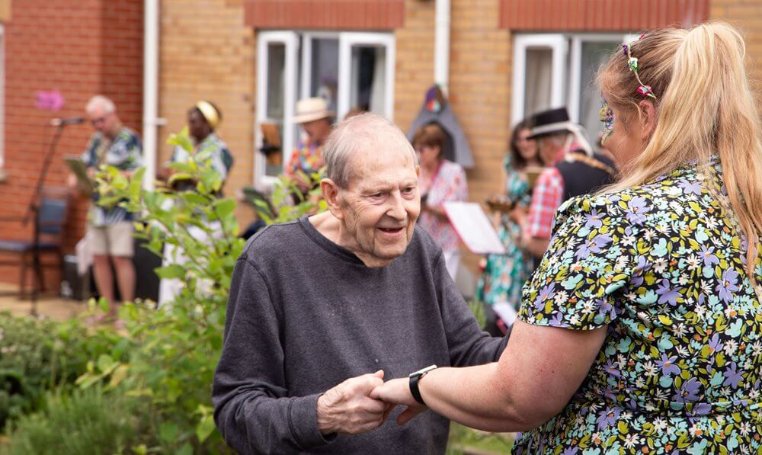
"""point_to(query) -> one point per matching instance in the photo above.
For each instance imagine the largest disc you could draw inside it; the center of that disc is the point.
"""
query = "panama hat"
(549, 122)
(310, 109)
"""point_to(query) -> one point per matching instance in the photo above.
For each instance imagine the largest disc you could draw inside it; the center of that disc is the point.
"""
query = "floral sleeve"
(584, 271)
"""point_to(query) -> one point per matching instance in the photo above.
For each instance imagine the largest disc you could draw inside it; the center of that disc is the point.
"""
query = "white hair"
(102, 103)
(362, 133)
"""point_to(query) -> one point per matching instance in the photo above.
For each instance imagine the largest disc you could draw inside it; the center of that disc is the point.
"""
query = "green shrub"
(39, 355)
(82, 422)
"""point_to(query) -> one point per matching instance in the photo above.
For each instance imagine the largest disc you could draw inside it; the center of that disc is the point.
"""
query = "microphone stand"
(32, 212)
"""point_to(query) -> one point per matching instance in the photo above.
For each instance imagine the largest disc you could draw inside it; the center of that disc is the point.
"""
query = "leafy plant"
(177, 346)
(39, 355)
(82, 422)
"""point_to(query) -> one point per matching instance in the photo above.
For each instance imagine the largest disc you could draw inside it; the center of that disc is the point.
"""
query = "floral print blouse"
(663, 266)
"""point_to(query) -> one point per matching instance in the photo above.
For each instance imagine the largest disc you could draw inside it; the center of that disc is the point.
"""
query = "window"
(552, 70)
(350, 70)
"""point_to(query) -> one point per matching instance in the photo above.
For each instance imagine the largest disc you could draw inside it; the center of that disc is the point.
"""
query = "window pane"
(276, 67)
(324, 72)
(594, 54)
(368, 79)
(538, 80)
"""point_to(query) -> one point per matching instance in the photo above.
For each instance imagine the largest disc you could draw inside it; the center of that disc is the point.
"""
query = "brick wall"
(208, 53)
(747, 16)
(80, 49)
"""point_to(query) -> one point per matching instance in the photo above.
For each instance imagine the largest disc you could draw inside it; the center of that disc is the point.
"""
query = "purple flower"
(605, 308)
(640, 270)
(701, 409)
(546, 293)
(607, 417)
(636, 210)
(690, 187)
(611, 369)
(667, 295)
(715, 343)
(727, 286)
(667, 365)
(570, 451)
(557, 320)
(707, 254)
(594, 245)
(688, 391)
(732, 376)
(593, 220)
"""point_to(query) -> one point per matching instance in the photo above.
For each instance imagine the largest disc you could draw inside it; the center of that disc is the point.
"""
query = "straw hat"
(310, 109)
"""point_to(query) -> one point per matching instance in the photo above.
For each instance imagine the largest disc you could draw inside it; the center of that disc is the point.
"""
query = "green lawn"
(465, 440)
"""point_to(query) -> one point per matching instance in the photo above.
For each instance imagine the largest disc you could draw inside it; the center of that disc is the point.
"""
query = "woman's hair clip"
(632, 63)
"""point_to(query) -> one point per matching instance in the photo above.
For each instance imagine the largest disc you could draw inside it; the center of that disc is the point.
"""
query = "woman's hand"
(397, 391)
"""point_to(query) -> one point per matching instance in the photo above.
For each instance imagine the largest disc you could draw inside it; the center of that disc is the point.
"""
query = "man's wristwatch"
(414, 378)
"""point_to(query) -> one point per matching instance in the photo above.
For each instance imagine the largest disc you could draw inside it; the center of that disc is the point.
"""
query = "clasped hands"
(363, 403)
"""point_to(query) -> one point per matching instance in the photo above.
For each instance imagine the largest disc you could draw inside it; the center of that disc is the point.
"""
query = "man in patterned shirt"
(577, 172)
(313, 115)
(110, 227)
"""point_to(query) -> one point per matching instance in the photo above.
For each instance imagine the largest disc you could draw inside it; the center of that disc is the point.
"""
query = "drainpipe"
(442, 45)
(150, 89)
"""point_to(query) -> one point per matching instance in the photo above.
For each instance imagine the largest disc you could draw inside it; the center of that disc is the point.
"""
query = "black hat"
(551, 122)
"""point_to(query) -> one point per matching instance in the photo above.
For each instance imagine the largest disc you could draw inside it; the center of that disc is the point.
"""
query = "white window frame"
(557, 43)
(566, 76)
(291, 42)
(297, 78)
(347, 40)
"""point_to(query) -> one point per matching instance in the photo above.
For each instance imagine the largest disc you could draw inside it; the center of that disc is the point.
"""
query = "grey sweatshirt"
(305, 314)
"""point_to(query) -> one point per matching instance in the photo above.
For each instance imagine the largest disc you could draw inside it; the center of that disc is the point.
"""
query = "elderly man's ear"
(331, 195)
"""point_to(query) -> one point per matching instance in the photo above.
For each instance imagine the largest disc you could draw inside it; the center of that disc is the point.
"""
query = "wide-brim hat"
(311, 109)
(549, 122)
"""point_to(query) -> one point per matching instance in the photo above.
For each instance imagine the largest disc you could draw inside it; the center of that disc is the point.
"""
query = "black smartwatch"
(414, 378)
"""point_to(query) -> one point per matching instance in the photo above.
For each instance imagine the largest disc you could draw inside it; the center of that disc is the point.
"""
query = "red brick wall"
(325, 14)
(600, 15)
(80, 49)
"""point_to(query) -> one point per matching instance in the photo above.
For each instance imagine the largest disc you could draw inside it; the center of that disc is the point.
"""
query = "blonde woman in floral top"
(641, 331)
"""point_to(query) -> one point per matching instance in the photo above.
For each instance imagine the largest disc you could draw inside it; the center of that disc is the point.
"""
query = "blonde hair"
(704, 107)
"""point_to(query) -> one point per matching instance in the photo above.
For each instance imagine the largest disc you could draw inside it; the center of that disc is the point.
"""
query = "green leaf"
(171, 271)
(205, 427)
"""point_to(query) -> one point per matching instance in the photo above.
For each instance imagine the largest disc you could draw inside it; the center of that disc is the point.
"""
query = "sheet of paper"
(506, 312)
(79, 169)
(473, 227)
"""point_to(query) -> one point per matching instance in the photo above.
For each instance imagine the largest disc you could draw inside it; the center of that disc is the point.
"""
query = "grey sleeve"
(467, 343)
(252, 406)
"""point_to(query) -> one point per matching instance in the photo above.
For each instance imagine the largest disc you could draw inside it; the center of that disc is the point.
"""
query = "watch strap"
(415, 379)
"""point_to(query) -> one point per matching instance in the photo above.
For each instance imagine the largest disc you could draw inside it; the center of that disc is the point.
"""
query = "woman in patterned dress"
(641, 330)
(439, 181)
(505, 274)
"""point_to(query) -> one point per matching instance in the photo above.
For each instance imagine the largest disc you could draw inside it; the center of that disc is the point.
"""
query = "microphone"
(67, 121)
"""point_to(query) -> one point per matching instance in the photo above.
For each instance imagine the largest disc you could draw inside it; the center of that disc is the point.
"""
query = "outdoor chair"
(48, 217)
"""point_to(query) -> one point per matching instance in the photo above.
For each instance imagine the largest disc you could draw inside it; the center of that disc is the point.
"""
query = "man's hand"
(348, 408)
(397, 391)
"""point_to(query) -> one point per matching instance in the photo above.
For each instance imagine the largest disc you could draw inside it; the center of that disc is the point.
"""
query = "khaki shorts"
(112, 239)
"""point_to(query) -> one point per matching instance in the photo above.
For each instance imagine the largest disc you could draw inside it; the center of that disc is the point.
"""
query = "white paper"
(506, 312)
(473, 227)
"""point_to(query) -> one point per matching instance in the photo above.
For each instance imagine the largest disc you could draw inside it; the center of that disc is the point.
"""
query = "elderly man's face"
(317, 130)
(379, 209)
(550, 148)
(104, 122)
